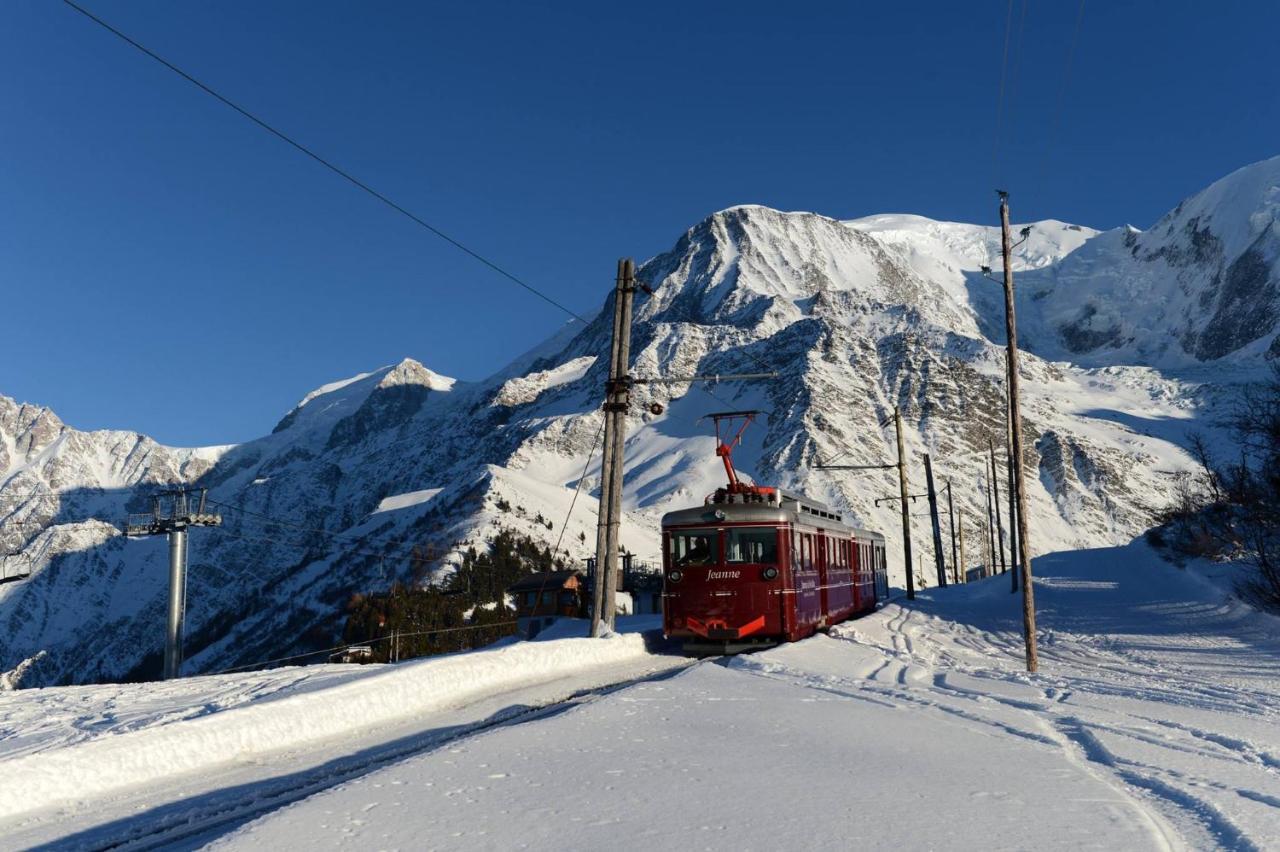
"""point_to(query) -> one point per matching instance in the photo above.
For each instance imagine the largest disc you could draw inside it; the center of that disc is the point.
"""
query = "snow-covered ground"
(1151, 725)
(78, 765)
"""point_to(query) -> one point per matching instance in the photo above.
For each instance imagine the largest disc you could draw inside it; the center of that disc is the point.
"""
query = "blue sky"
(170, 268)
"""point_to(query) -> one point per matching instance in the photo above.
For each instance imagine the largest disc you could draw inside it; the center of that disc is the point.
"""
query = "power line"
(276, 522)
(332, 549)
(367, 642)
(1062, 93)
(1004, 68)
(322, 161)
(1017, 65)
(578, 490)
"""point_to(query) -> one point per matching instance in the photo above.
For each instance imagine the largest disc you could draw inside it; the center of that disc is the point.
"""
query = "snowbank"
(88, 769)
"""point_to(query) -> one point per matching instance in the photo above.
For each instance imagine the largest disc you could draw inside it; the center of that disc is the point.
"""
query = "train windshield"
(751, 545)
(694, 547)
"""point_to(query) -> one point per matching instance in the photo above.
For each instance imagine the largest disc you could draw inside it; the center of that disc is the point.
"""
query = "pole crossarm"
(856, 467)
(163, 526)
(911, 497)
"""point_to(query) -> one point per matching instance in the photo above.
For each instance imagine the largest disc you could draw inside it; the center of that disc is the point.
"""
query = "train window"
(751, 545)
(694, 547)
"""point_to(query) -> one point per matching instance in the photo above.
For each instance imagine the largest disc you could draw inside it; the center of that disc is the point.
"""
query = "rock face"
(388, 474)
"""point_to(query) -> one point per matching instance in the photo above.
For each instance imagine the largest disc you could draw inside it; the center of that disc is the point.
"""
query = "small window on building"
(548, 598)
(530, 598)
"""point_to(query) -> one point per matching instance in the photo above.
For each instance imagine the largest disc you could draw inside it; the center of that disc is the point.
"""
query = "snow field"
(121, 759)
(1151, 725)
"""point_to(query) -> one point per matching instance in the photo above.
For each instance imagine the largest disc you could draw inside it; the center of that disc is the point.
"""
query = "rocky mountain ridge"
(386, 475)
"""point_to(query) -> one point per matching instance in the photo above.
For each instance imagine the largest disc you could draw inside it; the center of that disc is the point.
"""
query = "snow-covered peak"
(749, 263)
(1237, 209)
(333, 387)
(336, 400)
(970, 247)
(410, 372)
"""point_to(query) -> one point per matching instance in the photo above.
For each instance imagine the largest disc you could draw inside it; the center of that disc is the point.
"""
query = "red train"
(756, 566)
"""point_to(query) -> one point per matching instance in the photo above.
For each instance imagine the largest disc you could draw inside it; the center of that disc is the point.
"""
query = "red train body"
(757, 566)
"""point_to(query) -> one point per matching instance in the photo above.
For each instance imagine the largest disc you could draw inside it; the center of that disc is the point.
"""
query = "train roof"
(792, 508)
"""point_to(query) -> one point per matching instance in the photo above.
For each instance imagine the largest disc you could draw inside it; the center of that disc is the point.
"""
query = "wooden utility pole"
(986, 545)
(902, 493)
(995, 496)
(964, 571)
(991, 531)
(939, 560)
(1014, 548)
(1015, 418)
(951, 518)
(617, 401)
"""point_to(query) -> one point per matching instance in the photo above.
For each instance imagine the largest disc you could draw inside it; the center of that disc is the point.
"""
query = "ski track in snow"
(1095, 703)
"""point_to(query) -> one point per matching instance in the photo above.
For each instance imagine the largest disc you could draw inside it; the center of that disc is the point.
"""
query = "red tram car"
(756, 566)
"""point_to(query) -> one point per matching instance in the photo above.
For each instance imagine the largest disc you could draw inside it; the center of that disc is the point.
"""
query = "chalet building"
(544, 597)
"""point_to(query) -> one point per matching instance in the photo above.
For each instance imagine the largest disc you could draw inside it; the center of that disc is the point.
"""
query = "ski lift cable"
(340, 172)
(240, 668)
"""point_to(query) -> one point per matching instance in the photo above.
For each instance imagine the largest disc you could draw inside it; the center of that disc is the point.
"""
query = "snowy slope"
(855, 317)
(1151, 725)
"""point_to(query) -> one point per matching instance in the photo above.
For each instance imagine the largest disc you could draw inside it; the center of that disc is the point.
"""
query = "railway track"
(190, 825)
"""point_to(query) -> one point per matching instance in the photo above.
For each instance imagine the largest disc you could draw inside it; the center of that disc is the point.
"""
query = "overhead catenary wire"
(1015, 76)
(1051, 142)
(591, 454)
(335, 648)
(353, 180)
(335, 550)
(1004, 69)
(273, 521)
(542, 587)
(328, 164)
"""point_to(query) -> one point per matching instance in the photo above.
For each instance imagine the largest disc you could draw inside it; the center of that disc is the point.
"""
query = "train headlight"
(675, 575)
(771, 573)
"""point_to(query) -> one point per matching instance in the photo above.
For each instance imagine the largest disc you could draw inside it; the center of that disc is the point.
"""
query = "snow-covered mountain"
(1202, 284)
(378, 476)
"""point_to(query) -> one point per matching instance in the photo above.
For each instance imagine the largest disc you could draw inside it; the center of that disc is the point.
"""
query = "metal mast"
(171, 515)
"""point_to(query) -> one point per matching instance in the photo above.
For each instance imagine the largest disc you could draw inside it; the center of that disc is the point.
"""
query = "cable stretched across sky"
(322, 161)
